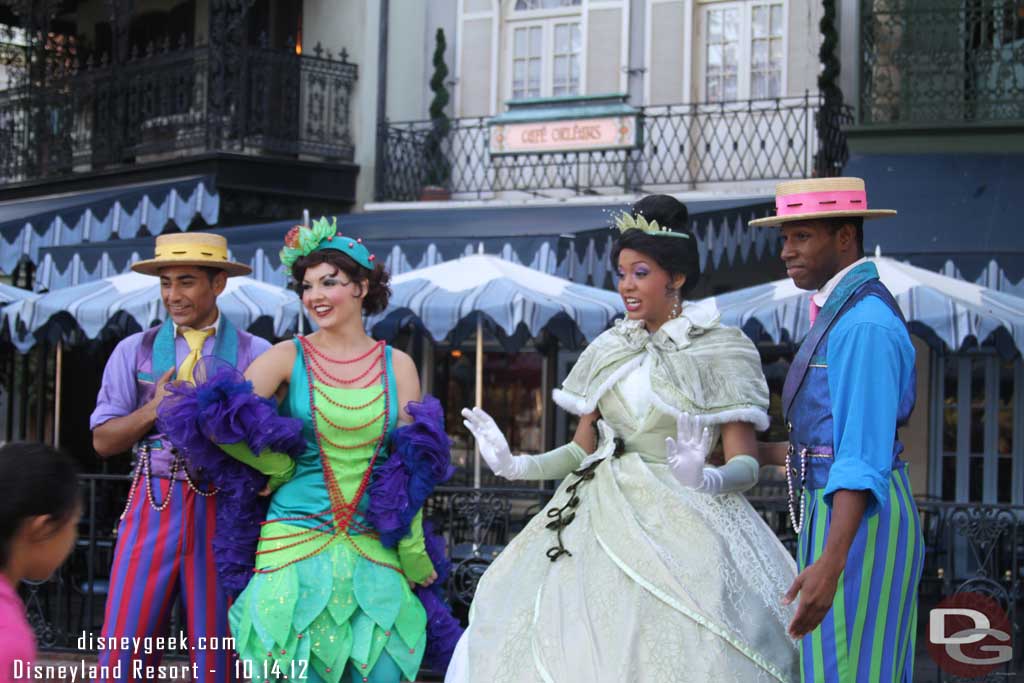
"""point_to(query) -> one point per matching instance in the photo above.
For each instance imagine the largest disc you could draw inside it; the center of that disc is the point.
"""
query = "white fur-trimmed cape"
(698, 366)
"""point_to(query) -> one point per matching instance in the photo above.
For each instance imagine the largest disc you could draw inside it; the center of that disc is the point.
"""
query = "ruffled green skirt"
(321, 613)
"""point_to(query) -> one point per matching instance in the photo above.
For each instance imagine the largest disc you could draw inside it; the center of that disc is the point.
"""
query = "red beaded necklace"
(342, 512)
(321, 372)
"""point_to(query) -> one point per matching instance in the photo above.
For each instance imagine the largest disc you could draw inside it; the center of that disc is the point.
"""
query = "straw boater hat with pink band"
(817, 198)
(202, 249)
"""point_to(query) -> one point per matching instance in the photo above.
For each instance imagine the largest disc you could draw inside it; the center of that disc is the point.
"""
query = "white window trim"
(546, 19)
(744, 58)
(546, 55)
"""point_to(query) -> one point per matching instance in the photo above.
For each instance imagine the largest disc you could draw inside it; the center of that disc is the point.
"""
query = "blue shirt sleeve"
(870, 363)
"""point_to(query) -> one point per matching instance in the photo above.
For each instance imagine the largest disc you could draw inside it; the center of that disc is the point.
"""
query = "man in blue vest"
(851, 385)
(163, 549)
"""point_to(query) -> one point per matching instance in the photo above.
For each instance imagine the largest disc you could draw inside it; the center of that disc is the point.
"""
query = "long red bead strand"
(342, 511)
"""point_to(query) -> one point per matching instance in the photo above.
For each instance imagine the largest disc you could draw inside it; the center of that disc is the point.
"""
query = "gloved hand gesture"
(493, 445)
(688, 451)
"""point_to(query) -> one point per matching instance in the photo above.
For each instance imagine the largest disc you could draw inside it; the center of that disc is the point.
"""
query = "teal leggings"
(384, 671)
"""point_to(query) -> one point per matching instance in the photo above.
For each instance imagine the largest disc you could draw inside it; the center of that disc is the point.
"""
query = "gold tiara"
(627, 221)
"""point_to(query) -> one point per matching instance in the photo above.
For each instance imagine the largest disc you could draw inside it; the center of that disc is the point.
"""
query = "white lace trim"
(709, 625)
(731, 516)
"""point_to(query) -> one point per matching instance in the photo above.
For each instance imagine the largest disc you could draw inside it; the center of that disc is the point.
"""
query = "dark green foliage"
(829, 76)
(438, 168)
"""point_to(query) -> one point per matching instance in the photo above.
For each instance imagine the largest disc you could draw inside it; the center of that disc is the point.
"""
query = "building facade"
(724, 96)
(937, 90)
(97, 95)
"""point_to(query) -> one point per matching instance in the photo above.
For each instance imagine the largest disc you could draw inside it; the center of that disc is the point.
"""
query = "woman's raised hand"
(493, 445)
(688, 451)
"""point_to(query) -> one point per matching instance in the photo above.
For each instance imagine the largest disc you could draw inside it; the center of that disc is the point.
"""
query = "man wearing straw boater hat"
(851, 385)
(164, 538)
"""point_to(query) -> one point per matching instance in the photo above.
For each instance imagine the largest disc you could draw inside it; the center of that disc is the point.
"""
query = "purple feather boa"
(222, 408)
(420, 460)
(443, 629)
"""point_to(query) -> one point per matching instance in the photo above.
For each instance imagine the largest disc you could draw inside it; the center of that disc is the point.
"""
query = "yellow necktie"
(195, 339)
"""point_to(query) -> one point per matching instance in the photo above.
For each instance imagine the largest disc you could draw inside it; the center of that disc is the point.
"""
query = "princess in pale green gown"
(647, 565)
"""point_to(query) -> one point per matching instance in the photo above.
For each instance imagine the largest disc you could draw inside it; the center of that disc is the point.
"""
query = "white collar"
(694, 318)
(822, 295)
(215, 326)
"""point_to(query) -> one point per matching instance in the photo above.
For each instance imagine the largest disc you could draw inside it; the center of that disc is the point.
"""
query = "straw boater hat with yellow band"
(816, 198)
(191, 249)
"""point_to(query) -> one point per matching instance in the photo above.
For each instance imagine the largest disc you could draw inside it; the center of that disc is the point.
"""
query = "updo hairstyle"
(675, 255)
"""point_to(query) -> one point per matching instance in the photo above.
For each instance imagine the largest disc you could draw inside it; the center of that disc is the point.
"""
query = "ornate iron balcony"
(75, 116)
(942, 62)
(681, 145)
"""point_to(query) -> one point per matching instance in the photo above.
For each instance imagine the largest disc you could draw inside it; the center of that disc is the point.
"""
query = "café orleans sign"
(546, 126)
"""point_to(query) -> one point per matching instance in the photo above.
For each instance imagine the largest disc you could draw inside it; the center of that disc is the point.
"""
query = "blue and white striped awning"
(943, 310)
(27, 225)
(572, 242)
(93, 306)
(9, 294)
(517, 302)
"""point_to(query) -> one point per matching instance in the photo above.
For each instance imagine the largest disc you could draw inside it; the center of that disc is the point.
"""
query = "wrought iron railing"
(968, 547)
(971, 547)
(169, 102)
(682, 144)
(942, 61)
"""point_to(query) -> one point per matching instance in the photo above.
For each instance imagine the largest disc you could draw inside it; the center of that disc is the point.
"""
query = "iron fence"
(969, 547)
(942, 61)
(682, 144)
(88, 114)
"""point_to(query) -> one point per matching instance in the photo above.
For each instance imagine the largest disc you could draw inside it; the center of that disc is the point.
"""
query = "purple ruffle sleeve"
(222, 408)
(420, 460)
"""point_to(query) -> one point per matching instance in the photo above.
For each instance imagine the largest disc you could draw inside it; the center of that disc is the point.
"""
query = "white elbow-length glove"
(496, 453)
(688, 451)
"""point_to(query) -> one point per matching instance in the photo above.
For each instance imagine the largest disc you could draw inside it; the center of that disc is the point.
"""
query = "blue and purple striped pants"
(159, 558)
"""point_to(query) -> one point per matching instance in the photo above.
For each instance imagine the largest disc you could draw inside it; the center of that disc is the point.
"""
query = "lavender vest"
(806, 401)
(155, 356)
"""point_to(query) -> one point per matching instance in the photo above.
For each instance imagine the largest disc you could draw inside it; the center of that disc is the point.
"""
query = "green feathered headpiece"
(323, 234)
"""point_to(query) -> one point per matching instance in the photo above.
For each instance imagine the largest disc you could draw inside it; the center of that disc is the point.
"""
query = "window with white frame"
(546, 41)
(744, 48)
(722, 50)
(527, 60)
(766, 33)
(565, 79)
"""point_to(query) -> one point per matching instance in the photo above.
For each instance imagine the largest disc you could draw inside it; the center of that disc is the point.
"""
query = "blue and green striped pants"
(868, 635)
